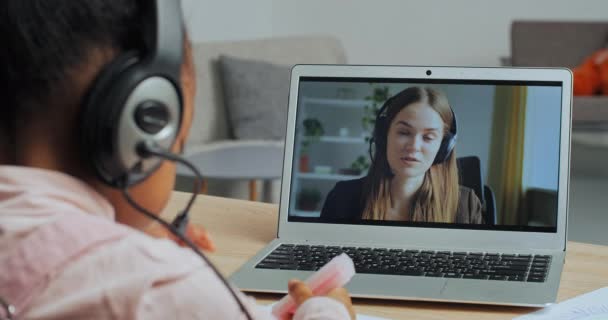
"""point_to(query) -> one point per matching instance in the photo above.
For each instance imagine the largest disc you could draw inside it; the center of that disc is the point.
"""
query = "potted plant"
(308, 199)
(360, 165)
(313, 130)
(376, 100)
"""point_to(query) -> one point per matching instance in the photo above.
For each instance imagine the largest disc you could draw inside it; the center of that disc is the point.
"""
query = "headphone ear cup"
(377, 142)
(447, 145)
(372, 149)
(151, 113)
(377, 137)
(380, 129)
(448, 142)
(112, 126)
(96, 141)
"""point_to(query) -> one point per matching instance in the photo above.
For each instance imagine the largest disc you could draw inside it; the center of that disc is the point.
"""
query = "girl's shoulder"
(82, 259)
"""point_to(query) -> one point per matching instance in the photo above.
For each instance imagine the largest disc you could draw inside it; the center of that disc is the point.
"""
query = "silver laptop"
(441, 183)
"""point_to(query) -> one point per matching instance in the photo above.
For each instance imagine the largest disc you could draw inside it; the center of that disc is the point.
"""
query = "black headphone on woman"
(378, 142)
(137, 98)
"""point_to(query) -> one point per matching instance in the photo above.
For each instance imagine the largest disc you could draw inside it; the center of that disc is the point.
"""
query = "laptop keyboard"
(441, 264)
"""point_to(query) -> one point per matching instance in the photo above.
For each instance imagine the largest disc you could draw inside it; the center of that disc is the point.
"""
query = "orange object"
(196, 233)
(591, 77)
(603, 72)
(586, 81)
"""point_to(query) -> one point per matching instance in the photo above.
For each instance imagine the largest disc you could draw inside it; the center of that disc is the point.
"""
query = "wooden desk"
(241, 228)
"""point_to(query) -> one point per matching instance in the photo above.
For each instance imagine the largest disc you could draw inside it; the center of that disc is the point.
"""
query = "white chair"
(211, 138)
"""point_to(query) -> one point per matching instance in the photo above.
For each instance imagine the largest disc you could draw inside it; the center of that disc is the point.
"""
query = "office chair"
(490, 205)
(469, 171)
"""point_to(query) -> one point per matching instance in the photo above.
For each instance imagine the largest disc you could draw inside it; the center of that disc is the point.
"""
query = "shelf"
(338, 103)
(338, 139)
(306, 214)
(327, 176)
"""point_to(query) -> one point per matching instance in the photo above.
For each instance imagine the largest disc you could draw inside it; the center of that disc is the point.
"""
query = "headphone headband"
(137, 98)
(166, 52)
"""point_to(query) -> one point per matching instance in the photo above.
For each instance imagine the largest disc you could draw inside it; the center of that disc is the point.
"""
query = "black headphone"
(133, 113)
(382, 124)
(136, 98)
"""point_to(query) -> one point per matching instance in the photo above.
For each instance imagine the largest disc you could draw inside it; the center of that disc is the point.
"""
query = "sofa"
(212, 128)
(567, 44)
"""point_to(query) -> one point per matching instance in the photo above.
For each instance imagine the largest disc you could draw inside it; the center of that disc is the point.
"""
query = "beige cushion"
(210, 121)
(257, 110)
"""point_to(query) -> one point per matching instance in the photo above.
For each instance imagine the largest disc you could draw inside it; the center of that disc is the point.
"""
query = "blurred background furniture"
(567, 44)
(539, 201)
(563, 44)
(212, 128)
(240, 160)
(469, 169)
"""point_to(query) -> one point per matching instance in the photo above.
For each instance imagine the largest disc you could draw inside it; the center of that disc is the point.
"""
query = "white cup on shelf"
(344, 132)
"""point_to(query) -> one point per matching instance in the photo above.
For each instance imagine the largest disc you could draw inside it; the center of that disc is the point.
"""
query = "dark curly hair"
(41, 40)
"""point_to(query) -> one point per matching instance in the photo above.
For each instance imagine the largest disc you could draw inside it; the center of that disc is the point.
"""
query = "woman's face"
(414, 138)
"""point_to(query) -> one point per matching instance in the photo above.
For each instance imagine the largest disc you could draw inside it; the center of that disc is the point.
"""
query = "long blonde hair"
(437, 198)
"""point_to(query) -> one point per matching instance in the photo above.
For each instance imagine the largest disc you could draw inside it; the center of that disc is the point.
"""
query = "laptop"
(441, 183)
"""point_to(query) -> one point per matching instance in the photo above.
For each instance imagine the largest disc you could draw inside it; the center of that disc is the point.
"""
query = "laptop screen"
(427, 153)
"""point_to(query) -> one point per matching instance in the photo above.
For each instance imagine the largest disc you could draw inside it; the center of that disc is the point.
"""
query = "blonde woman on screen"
(413, 176)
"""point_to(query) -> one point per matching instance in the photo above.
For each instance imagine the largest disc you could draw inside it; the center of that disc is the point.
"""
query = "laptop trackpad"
(426, 288)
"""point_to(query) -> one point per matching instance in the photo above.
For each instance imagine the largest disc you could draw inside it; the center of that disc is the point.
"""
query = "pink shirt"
(131, 276)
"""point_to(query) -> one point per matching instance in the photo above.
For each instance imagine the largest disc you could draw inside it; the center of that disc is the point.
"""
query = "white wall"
(214, 20)
(429, 32)
(474, 109)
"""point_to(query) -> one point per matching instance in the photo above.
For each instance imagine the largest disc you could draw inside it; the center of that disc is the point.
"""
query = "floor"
(588, 214)
(588, 219)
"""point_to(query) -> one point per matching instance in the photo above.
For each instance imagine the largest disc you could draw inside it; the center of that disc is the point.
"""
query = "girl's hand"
(300, 292)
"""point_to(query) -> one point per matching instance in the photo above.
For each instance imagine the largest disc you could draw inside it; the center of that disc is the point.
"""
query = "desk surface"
(241, 228)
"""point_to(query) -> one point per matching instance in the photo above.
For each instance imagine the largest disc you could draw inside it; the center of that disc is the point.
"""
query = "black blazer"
(345, 203)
